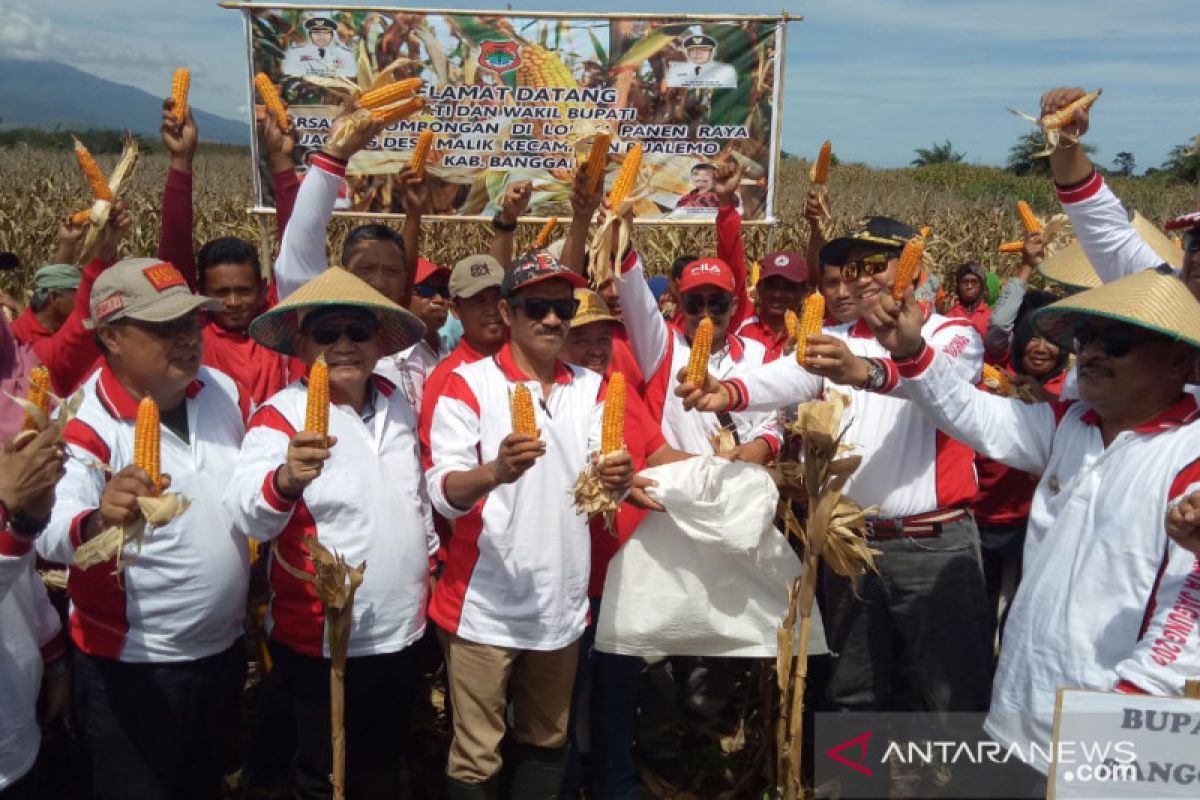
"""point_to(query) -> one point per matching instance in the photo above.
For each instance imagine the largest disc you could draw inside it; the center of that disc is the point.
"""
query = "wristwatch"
(501, 225)
(876, 375)
(26, 526)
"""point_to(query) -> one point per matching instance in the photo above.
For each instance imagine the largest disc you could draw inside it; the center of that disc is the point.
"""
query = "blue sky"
(878, 77)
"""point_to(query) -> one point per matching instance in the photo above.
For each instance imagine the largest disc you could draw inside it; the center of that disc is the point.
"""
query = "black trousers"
(158, 730)
(917, 636)
(379, 699)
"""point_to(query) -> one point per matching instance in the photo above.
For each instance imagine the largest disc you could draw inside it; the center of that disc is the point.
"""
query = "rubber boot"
(461, 790)
(536, 772)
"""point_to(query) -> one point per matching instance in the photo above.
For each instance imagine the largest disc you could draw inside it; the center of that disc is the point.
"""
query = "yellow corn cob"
(697, 369)
(180, 83)
(316, 413)
(812, 317)
(627, 177)
(820, 173)
(995, 379)
(38, 394)
(1066, 115)
(399, 111)
(91, 172)
(543, 237)
(1178, 240)
(612, 437)
(541, 68)
(1012, 247)
(391, 93)
(755, 272)
(421, 153)
(1027, 218)
(523, 419)
(909, 267)
(597, 160)
(791, 324)
(80, 217)
(146, 452)
(273, 102)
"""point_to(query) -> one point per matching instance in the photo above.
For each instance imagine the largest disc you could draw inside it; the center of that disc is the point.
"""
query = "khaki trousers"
(483, 679)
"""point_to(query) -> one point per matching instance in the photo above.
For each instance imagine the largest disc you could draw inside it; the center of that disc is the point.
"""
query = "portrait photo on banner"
(513, 98)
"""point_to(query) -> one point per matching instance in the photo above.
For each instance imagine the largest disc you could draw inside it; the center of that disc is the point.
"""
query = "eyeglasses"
(536, 308)
(1115, 342)
(357, 332)
(1191, 241)
(718, 304)
(170, 329)
(870, 266)
(428, 290)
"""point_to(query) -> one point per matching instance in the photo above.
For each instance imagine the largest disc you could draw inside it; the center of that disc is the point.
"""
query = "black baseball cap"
(882, 232)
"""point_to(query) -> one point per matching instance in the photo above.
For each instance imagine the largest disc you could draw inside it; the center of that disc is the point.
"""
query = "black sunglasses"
(357, 332)
(1191, 241)
(870, 266)
(536, 308)
(1115, 342)
(716, 303)
(428, 290)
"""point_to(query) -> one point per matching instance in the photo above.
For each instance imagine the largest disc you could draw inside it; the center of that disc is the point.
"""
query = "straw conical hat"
(335, 286)
(1154, 299)
(1071, 267)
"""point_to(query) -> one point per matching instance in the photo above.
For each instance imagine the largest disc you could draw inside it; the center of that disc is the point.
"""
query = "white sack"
(710, 577)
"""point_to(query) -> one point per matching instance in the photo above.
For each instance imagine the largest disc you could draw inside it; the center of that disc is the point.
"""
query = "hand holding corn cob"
(522, 447)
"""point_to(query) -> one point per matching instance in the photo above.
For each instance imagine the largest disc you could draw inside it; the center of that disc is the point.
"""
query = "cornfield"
(971, 210)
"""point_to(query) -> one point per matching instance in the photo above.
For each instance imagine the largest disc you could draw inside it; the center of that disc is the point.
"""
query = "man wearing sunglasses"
(707, 289)
(1108, 237)
(1108, 600)
(920, 483)
(512, 601)
(159, 657)
(431, 303)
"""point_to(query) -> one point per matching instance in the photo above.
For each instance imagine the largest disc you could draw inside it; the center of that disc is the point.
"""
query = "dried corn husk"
(615, 230)
(102, 208)
(723, 440)
(54, 579)
(110, 543)
(592, 498)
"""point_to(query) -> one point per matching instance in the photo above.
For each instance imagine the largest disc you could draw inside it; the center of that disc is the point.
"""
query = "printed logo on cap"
(781, 260)
(480, 270)
(706, 266)
(163, 276)
(109, 305)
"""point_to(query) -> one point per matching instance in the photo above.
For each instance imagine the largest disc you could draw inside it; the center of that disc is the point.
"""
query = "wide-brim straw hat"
(1153, 299)
(279, 327)
(592, 308)
(1071, 267)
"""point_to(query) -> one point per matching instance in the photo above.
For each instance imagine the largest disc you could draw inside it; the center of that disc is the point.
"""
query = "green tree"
(1183, 164)
(1124, 164)
(937, 154)
(1021, 158)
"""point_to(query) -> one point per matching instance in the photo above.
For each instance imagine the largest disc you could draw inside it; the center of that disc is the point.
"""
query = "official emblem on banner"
(500, 56)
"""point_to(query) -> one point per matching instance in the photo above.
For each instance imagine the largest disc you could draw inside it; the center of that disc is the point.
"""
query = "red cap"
(785, 264)
(426, 269)
(707, 272)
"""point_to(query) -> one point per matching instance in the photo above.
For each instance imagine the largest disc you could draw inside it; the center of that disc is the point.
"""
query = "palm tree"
(937, 154)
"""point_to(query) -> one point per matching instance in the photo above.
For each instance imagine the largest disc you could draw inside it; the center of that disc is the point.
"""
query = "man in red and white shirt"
(159, 660)
(1108, 600)
(918, 480)
(512, 602)
(782, 287)
(707, 288)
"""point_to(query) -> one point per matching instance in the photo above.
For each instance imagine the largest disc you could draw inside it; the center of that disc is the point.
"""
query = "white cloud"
(23, 32)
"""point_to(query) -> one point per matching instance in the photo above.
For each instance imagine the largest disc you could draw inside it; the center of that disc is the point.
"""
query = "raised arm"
(583, 211)
(279, 147)
(648, 332)
(998, 339)
(730, 247)
(513, 204)
(175, 235)
(1101, 223)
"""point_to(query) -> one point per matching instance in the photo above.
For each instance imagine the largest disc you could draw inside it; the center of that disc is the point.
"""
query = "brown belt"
(918, 526)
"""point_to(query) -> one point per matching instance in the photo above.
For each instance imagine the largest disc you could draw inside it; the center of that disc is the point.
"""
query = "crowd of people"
(1024, 543)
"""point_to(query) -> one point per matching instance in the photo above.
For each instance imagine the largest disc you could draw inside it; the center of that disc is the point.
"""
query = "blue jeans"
(603, 713)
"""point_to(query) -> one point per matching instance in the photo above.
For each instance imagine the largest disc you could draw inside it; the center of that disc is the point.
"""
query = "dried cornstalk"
(834, 532)
(335, 582)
